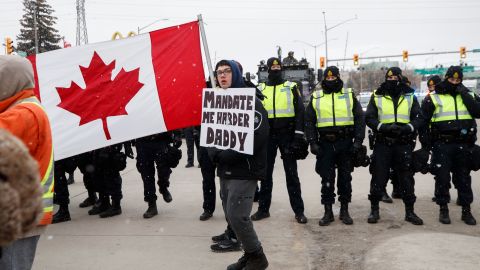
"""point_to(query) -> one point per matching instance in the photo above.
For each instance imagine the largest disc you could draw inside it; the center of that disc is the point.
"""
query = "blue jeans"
(19, 255)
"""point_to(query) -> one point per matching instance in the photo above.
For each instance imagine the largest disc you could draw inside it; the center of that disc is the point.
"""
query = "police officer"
(108, 162)
(393, 114)
(61, 195)
(290, 59)
(451, 111)
(335, 129)
(283, 103)
(192, 139)
(431, 83)
(86, 167)
(152, 150)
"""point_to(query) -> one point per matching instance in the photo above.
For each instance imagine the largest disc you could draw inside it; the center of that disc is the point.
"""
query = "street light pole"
(139, 29)
(330, 28)
(314, 47)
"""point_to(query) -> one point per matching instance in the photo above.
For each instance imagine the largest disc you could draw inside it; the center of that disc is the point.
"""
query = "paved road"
(176, 239)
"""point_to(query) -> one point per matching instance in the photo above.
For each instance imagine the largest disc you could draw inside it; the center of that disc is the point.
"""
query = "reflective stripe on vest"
(283, 106)
(326, 104)
(445, 108)
(386, 110)
(47, 181)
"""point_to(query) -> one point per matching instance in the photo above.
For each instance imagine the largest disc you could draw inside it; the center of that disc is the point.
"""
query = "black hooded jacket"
(371, 116)
(234, 165)
(455, 126)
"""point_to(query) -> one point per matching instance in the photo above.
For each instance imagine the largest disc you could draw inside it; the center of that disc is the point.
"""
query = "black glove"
(389, 128)
(297, 142)
(406, 129)
(177, 142)
(357, 145)
(315, 149)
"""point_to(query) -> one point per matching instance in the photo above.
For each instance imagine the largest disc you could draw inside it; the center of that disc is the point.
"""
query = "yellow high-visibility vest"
(47, 181)
(448, 107)
(334, 109)
(386, 109)
(278, 99)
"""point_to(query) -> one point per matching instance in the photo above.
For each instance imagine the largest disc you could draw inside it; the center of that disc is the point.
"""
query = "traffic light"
(355, 59)
(463, 52)
(322, 62)
(8, 45)
(405, 56)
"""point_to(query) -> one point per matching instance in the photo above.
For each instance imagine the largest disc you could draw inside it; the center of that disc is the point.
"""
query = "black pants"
(399, 157)
(280, 140)
(149, 154)
(208, 181)
(193, 140)
(86, 167)
(109, 183)
(237, 201)
(336, 155)
(62, 196)
(447, 159)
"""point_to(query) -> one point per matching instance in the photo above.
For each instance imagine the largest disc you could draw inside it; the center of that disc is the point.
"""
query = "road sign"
(436, 71)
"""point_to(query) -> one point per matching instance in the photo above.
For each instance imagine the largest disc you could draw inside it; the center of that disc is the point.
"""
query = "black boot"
(344, 215)
(444, 217)
(62, 215)
(410, 215)
(256, 261)
(70, 179)
(100, 206)
(467, 216)
(240, 264)
(374, 214)
(259, 215)
(167, 197)
(386, 198)
(151, 211)
(327, 217)
(114, 210)
(89, 201)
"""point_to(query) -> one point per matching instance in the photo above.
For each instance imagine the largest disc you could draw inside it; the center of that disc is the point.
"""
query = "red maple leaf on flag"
(102, 96)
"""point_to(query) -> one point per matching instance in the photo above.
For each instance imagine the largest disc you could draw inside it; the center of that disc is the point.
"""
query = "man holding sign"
(234, 126)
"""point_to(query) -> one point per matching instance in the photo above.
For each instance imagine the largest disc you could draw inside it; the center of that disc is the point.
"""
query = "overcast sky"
(250, 30)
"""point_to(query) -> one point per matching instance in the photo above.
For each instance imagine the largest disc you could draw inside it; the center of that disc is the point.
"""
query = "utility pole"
(330, 28)
(82, 36)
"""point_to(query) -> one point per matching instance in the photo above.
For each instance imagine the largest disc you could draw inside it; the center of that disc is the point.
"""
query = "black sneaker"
(189, 165)
(70, 179)
(219, 238)
(226, 245)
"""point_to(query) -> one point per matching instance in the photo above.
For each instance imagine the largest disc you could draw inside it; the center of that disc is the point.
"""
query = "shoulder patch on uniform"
(257, 120)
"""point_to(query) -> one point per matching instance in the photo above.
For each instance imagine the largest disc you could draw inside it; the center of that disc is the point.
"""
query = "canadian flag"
(105, 93)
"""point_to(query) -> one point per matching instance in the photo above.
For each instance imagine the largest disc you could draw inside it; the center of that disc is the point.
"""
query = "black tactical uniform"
(451, 111)
(86, 167)
(285, 109)
(192, 139)
(107, 163)
(152, 150)
(335, 129)
(61, 195)
(394, 115)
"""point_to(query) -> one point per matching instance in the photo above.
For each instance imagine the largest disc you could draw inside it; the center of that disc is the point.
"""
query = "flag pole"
(206, 51)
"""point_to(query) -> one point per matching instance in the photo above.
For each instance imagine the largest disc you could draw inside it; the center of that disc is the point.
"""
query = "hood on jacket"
(16, 74)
